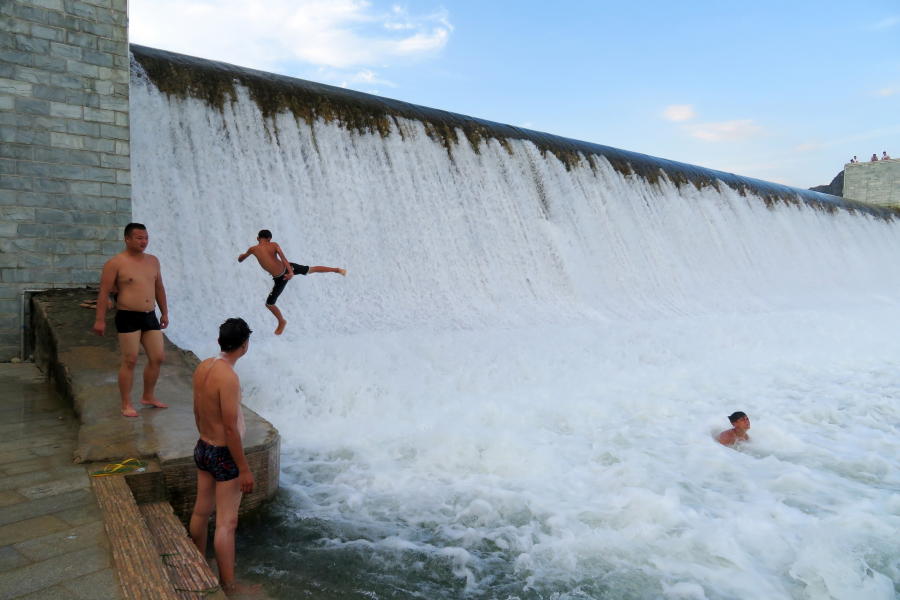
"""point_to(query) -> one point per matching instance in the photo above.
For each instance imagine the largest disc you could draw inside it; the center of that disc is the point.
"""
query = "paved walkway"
(52, 542)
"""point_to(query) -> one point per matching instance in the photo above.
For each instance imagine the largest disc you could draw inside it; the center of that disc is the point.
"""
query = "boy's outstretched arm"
(244, 256)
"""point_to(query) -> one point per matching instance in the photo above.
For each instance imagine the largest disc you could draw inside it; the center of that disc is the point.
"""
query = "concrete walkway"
(52, 541)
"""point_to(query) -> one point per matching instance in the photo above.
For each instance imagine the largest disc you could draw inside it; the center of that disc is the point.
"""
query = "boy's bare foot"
(281, 325)
(128, 411)
(343, 272)
(154, 402)
(242, 589)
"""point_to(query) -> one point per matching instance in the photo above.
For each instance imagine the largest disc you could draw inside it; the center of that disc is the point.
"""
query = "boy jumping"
(272, 259)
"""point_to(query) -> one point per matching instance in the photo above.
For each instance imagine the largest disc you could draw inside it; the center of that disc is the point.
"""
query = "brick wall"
(65, 178)
(873, 182)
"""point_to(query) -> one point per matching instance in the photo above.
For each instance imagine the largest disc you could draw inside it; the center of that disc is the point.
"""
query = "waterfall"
(514, 391)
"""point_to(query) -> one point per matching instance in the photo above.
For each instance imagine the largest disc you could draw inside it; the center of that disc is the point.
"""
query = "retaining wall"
(65, 171)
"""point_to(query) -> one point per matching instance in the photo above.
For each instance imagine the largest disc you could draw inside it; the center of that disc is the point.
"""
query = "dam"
(515, 390)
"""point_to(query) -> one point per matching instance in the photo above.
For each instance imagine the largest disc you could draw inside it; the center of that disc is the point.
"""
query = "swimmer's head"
(736, 416)
(265, 234)
(739, 420)
(233, 333)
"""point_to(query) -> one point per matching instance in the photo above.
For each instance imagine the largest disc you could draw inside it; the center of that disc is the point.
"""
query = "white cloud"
(727, 130)
(887, 92)
(337, 34)
(887, 23)
(679, 112)
(808, 147)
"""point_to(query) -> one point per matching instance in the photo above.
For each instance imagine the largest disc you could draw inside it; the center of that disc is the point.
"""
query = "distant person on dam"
(738, 433)
(137, 278)
(272, 259)
(874, 158)
(223, 474)
(884, 156)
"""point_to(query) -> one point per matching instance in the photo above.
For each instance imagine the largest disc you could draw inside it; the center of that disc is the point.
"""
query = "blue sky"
(782, 91)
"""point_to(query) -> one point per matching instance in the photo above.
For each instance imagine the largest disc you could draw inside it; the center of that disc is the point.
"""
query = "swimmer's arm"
(284, 261)
(230, 400)
(161, 299)
(107, 283)
(726, 438)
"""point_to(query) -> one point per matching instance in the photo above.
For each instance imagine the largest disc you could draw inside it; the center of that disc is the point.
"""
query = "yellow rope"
(211, 590)
(120, 468)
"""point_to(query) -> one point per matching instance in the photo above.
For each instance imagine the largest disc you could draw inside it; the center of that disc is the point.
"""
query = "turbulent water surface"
(514, 391)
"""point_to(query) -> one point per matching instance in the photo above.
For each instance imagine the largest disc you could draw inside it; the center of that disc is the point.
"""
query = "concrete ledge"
(84, 368)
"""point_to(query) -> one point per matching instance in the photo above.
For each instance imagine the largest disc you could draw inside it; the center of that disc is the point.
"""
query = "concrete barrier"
(84, 369)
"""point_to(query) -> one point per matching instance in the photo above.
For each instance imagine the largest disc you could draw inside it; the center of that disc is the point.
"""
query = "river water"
(514, 392)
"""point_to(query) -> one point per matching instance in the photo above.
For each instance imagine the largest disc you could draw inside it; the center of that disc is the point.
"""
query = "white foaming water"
(523, 370)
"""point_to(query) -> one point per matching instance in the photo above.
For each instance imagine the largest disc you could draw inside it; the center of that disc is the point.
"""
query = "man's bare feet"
(128, 411)
(154, 402)
(281, 325)
(343, 272)
(242, 589)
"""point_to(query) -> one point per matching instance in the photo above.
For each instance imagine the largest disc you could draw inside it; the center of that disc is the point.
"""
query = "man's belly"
(134, 300)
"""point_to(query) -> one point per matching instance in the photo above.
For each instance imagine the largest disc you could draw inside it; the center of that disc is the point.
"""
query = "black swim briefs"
(280, 282)
(129, 321)
(215, 460)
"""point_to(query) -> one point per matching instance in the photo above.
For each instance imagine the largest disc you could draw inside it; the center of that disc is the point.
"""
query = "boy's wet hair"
(733, 417)
(132, 226)
(265, 234)
(233, 333)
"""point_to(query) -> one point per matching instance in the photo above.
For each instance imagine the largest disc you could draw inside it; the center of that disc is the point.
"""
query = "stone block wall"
(873, 182)
(65, 172)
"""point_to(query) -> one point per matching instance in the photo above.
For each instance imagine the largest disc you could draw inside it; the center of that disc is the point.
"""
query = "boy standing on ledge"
(137, 277)
(271, 258)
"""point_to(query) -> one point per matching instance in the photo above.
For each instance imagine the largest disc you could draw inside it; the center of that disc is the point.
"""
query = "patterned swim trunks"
(215, 460)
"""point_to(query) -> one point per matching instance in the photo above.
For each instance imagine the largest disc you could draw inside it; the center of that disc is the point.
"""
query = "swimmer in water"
(271, 258)
(137, 279)
(223, 474)
(738, 433)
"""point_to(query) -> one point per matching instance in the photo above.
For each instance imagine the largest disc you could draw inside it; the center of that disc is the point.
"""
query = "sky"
(782, 91)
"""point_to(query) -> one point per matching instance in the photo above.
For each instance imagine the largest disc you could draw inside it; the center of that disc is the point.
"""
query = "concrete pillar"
(873, 182)
(65, 170)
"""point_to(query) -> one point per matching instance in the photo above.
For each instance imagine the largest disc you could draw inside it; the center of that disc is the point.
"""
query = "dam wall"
(215, 84)
(65, 179)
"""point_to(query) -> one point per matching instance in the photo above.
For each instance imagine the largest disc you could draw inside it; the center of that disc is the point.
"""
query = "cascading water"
(514, 391)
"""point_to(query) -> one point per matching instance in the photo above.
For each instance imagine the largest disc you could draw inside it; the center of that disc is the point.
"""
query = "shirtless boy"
(738, 433)
(136, 276)
(272, 259)
(222, 470)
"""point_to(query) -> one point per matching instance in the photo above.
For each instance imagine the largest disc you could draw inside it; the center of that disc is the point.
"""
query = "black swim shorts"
(129, 321)
(215, 460)
(280, 282)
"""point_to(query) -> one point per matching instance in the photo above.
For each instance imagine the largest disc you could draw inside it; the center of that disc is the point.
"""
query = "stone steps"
(155, 558)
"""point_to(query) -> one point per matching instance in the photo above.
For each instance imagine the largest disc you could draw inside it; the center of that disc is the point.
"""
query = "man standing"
(137, 277)
(738, 433)
(222, 470)
(271, 258)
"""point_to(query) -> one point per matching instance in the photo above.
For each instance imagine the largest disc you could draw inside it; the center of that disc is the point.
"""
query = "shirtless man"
(136, 276)
(222, 470)
(738, 433)
(272, 259)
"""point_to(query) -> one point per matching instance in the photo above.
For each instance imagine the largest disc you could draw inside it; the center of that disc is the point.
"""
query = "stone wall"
(65, 173)
(873, 182)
